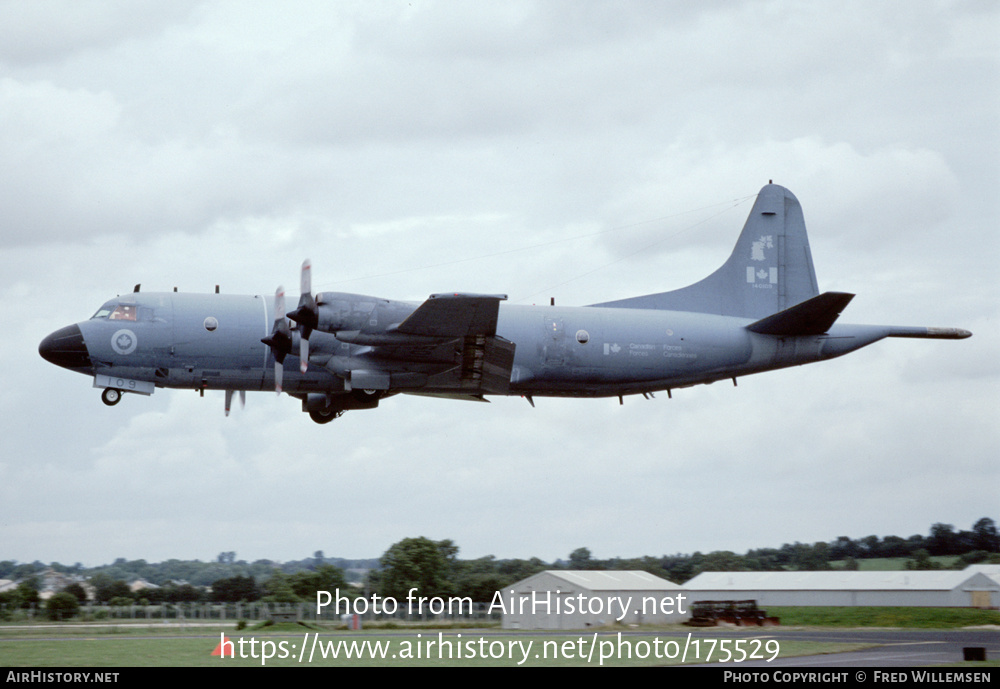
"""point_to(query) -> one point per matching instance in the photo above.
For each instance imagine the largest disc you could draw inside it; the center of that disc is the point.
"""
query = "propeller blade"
(306, 315)
(229, 400)
(304, 349)
(243, 399)
(303, 353)
(305, 278)
(279, 304)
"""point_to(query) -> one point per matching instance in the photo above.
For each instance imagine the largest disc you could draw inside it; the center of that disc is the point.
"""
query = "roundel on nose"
(65, 347)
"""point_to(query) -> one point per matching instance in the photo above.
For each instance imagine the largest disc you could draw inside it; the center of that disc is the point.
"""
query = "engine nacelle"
(337, 311)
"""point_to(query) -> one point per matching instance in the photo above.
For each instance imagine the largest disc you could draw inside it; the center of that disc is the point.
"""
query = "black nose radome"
(65, 347)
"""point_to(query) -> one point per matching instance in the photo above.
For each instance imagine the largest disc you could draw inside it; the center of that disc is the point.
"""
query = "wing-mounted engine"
(445, 346)
(336, 312)
(339, 311)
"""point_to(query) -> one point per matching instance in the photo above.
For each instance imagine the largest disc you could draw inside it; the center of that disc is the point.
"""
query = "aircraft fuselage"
(213, 342)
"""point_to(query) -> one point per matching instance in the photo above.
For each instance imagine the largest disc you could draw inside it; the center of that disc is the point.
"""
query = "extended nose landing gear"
(111, 396)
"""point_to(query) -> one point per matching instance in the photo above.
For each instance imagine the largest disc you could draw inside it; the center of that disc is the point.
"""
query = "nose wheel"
(111, 396)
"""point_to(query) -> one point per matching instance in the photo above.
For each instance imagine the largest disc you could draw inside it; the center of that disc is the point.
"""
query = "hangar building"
(992, 571)
(935, 588)
(558, 599)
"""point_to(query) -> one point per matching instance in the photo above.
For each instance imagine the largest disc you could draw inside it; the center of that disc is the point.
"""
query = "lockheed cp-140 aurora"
(762, 310)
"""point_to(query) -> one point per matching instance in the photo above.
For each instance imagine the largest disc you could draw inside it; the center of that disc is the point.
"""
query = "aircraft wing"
(454, 315)
(479, 362)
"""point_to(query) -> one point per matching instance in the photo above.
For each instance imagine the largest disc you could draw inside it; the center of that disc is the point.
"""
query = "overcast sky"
(579, 150)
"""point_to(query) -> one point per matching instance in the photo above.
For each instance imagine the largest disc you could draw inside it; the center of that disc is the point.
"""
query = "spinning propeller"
(280, 339)
(306, 315)
(229, 400)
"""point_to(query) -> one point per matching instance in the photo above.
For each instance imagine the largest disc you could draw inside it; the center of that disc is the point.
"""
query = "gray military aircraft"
(760, 311)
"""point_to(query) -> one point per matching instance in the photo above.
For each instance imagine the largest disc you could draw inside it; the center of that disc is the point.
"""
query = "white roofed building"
(934, 588)
(992, 571)
(578, 599)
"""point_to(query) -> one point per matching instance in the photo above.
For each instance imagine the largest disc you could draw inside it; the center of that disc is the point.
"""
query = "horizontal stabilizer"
(811, 317)
(454, 315)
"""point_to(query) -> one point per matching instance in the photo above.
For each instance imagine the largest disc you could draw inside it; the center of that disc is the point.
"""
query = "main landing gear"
(324, 408)
(326, 415)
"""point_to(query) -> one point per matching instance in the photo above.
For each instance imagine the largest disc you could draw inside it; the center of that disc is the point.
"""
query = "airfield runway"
(896, 647)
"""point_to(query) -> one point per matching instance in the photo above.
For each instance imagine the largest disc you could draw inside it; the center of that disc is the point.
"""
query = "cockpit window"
(114, 310)
(124, 312)
(105, 310)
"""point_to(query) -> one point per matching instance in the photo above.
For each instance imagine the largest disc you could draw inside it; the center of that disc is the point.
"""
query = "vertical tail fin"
(770, 269)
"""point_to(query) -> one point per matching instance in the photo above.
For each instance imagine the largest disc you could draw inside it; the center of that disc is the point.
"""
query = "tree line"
(433, 568)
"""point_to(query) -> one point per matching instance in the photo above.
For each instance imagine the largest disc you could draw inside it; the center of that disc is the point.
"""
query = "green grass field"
(914, 618)
(137, 648)
(169, 645)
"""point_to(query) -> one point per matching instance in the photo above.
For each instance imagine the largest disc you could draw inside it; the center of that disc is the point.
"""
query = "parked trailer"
(740, 613)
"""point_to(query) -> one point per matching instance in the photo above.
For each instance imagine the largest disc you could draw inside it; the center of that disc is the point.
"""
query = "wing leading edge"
(454, 315)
